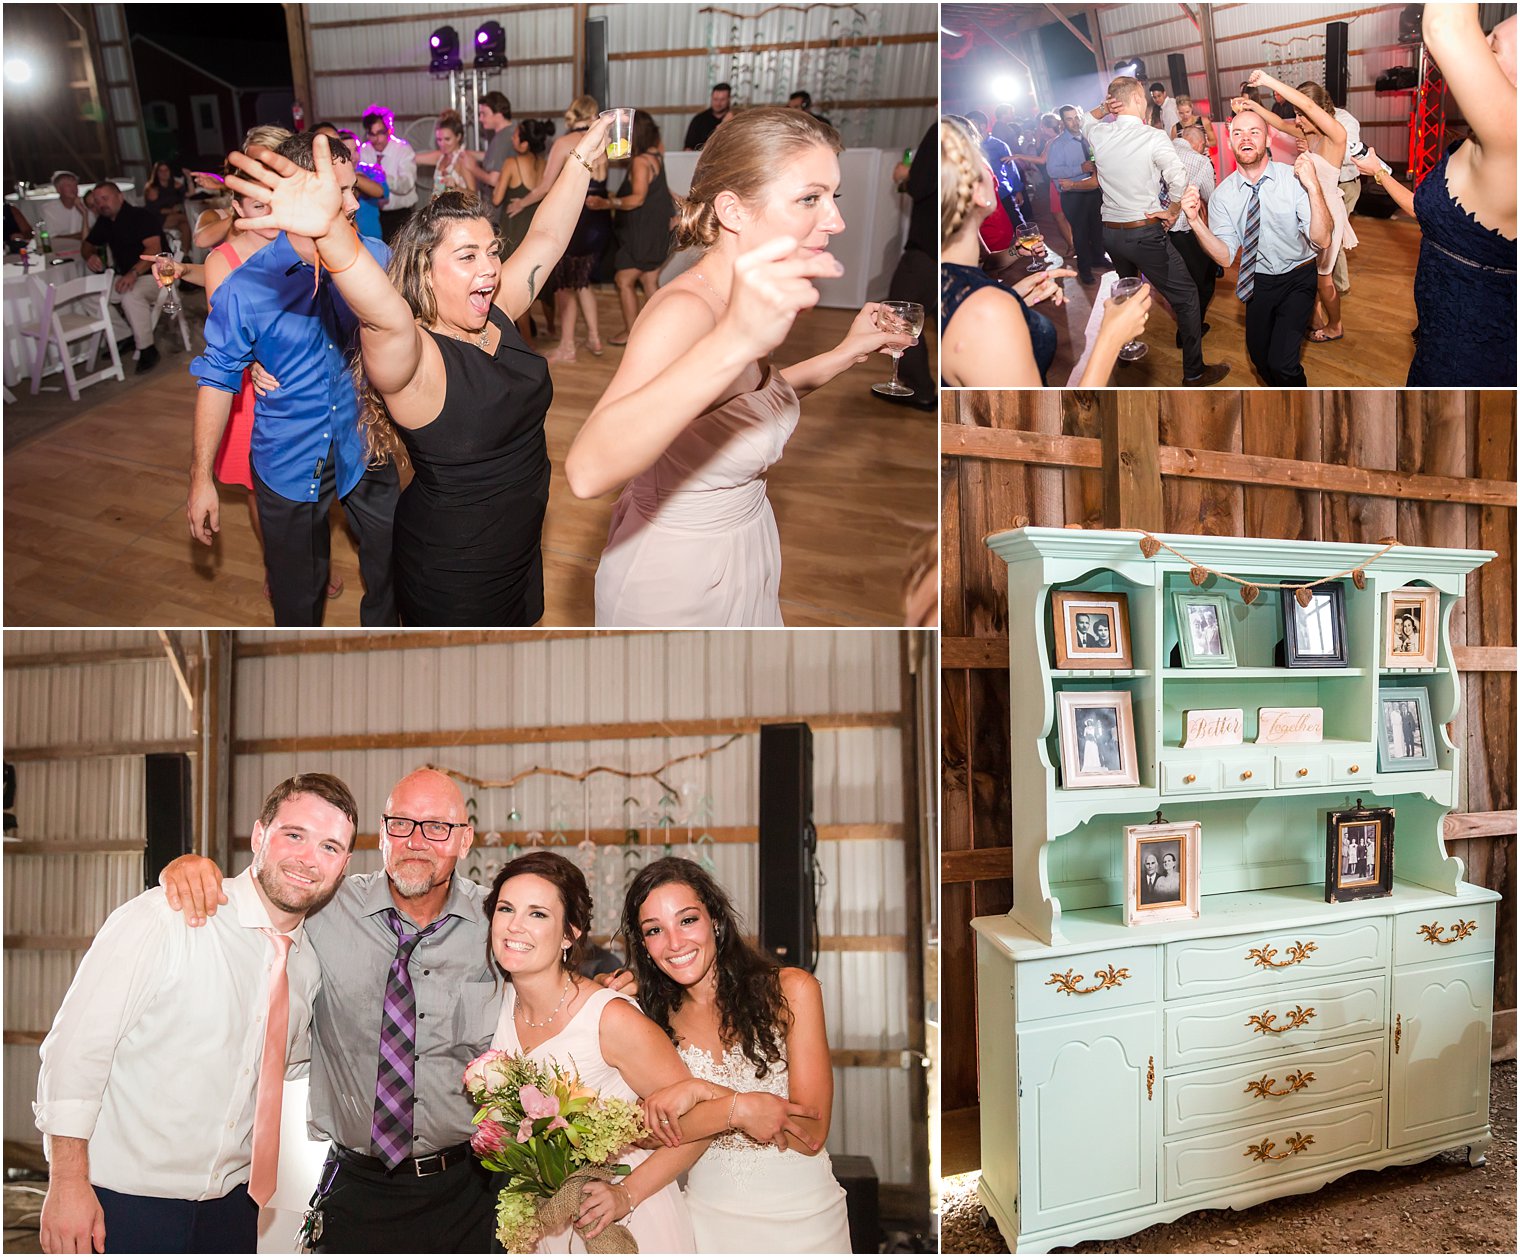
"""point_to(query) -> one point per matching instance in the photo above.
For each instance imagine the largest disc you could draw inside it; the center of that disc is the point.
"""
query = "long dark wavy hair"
(752, 1012)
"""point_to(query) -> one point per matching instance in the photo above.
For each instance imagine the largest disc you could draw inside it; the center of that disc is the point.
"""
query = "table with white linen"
(875, 219)
(21, 310)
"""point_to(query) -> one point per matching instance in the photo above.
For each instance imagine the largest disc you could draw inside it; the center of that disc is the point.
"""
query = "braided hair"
(960, 170)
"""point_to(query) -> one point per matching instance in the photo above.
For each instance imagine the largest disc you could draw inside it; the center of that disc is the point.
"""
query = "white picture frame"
(1411, 627)
(1097, 735)
(1161, 872)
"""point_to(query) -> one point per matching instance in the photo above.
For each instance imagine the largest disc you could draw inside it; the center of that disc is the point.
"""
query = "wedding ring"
(664, 1121)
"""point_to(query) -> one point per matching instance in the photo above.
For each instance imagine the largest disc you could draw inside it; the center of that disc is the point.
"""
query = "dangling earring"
(564, 958)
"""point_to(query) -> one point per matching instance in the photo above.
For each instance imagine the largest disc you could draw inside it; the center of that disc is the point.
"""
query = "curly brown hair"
(752, 1010)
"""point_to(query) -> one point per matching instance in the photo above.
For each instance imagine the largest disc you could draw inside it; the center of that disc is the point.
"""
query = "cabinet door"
(1438, 1079)
(1089, 1117)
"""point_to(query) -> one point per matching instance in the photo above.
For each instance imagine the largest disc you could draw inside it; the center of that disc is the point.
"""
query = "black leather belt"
(418, 1167)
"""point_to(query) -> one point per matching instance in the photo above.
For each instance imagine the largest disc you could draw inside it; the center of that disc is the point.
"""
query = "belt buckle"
(437, 1167)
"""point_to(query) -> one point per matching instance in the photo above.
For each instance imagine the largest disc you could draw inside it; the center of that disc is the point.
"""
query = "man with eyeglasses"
(395, 157)
(408, 1000)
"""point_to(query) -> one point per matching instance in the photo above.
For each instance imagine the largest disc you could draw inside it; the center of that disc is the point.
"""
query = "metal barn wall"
(1286, 40)
(55, 899)
(356, 61)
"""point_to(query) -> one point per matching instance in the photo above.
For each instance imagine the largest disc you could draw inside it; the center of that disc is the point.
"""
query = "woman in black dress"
(642, 212)
(445, 379)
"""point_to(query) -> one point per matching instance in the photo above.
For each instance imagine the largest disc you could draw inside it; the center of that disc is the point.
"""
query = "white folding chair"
(72, 312)
(163, 295)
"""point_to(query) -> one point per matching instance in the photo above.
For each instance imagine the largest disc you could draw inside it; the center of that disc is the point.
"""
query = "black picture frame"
(1299, 646)
(1358, 853)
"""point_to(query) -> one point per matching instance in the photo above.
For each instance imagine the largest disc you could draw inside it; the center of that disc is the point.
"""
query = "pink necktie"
(266, 1109)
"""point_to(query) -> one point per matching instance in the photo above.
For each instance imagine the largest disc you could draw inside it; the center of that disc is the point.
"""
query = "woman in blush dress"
(696, 414)
(540, 913)
(750, 1032)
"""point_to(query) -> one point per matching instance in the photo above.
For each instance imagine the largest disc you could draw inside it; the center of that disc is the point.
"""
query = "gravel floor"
(1437, 1206)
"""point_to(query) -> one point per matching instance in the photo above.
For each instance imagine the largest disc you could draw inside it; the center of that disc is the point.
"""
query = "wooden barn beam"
(1131, 465)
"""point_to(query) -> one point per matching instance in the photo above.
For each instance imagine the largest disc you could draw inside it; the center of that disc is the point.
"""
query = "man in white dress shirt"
(156, 1126)
(1134, 163)
(394, 156)
(1167, 106)
(67, 219)
(1200, 175)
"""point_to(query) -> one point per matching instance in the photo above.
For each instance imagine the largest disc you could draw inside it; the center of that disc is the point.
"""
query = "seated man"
(128, 232)
(159, 1093)
(66, 219)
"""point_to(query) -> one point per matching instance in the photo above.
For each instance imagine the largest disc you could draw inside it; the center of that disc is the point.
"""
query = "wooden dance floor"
(95, 530)
(1378, 314)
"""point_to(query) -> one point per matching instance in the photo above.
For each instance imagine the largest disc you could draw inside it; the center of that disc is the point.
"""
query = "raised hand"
(1192, 203)
(771, 288)
(1303, 167)
(301, 202)
(1239, 104)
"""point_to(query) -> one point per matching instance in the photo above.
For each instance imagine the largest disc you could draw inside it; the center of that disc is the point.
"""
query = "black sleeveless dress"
(468, 527)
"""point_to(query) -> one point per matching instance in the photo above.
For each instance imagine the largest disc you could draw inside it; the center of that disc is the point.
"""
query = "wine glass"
(1132, 350)
(906, 317)
(163, 271)
(1032, 240)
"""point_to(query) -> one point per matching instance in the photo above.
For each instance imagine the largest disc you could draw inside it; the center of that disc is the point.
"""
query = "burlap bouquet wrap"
(559, 1210)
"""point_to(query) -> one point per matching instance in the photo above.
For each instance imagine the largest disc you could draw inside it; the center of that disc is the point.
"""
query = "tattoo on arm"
(532, 287)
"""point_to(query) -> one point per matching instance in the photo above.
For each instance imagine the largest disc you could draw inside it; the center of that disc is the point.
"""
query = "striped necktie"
(391, 1128)
(1245, 283)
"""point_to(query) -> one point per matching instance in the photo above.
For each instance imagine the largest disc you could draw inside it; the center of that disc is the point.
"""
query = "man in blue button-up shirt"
(1276, 216)
(1068, 162)
(306, 447)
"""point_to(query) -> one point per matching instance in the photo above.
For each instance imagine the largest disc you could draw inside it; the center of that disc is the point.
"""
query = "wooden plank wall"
(1436, 468)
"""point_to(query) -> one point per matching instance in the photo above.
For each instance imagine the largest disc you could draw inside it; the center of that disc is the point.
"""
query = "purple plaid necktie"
(391, 1129)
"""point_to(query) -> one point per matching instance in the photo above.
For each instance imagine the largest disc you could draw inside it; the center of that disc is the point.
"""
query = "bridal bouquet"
(551, 1135)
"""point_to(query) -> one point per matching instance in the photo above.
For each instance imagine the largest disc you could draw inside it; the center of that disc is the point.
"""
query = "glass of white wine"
(906, 318)
(1032, 241)
(1132, 350)
(164, 270)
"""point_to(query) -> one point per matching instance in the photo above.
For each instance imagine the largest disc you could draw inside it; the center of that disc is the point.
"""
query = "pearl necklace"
(539, 1025)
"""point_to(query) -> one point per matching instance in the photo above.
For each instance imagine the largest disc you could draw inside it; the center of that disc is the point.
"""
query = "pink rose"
(489, 1137)
(487, 1072)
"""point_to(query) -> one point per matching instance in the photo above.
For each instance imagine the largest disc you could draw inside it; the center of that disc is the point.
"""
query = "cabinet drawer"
(1190, 777)
(1251, 962)
(1280, 1148)
(1443, 934)
(1247, 772)
(1300, 769)
(1093, 982)
(1267, 1090)
(1268, 1023)
(1353, 766)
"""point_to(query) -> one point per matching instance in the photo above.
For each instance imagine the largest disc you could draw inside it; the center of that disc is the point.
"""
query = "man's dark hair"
(722, 87)
(323, 786)
(977, 119)
(804, 97)
(104, 183)
(497, 102)
(328, 126)
(1156, 87)
(370, 119)
(1065, 109)
(298, 149)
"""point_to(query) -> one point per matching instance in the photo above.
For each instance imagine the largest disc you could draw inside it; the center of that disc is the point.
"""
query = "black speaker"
(167, 794)
(862, 1191)
(1337, 71)
(596, 62)
(1176, 65)
(788, 845)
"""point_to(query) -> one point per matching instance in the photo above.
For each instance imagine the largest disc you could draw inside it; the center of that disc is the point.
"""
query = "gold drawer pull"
(1398, 1032)
(1190, 779)
(1246, 776)
(1459, 931)
(1296, 1082)
(1303, 772)
(1150, 1079)
(1261, 1023)
(1354, 769)
(1068, 982)
(1297, 1142)
(1297, 954)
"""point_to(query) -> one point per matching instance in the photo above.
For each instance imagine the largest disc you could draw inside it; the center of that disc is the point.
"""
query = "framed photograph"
(1410, 627)
(1358, 854)
(1315, 636)
(1161, 872)
(1091, 630)
(1406, 737)
(1203, 630)
(1097, 739)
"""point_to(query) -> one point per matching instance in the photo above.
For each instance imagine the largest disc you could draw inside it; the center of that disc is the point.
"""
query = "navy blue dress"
(1464, 294)
(957, 282)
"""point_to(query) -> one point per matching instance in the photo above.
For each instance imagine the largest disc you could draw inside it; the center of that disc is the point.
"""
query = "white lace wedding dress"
(746, 1197)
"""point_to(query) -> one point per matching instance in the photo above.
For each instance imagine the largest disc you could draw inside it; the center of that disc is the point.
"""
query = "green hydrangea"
(516, 1221)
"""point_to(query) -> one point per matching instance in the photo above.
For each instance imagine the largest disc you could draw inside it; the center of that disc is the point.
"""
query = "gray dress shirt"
(1132, 160)
(458, 1001)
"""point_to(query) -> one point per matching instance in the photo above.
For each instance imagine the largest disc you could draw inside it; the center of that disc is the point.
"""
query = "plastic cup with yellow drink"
(620, 137)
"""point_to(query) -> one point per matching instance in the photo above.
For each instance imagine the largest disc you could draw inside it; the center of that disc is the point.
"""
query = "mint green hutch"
(1130, 1075)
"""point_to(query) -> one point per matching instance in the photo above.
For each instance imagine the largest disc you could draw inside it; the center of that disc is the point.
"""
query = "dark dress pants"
(1199, 265)
(1149, 252)
(1084, 211)
(152, 1224)
(368, 1211)
(298, 546)
(1276, 316)
(917, 279)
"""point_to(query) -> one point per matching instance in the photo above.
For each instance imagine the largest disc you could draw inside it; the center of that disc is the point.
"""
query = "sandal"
(596, 347)
(560, 354)
(1319, 337)
(618, 341)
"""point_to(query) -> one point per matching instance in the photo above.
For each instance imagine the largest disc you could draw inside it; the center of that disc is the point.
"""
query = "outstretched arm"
(1486, 96)
(1370, 164)
(864, 338)
(1326, 123)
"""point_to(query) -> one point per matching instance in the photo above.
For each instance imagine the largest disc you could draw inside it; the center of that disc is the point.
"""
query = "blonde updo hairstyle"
(582, 109)
(961, 170)
(743, 156)
(411, 275)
